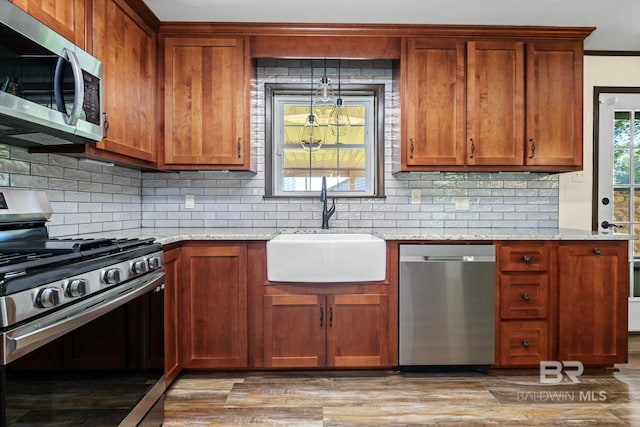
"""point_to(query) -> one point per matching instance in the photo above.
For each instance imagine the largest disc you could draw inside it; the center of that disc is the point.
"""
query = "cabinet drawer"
(524, 343)
(528, 257)
(524, 296)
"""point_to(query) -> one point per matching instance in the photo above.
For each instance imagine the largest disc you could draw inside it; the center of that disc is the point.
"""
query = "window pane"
(622, 129)
(621, 205)
(621, 167)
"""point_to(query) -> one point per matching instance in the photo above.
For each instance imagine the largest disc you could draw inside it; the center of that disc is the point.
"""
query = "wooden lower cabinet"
(213, 299)
(593, 280)
(172, 285)
(562, 301)
(524, 343)
(347, 330)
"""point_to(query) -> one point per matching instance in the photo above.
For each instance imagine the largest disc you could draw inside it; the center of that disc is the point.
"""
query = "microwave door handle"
(78, 82)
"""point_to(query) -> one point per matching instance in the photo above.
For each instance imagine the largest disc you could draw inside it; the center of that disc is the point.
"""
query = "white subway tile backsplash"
(87, 197)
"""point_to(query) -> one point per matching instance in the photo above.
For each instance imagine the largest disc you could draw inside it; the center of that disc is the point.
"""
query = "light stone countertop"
(173, 235)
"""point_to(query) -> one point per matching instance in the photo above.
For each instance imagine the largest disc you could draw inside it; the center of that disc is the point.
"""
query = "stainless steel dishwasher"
(447, 305)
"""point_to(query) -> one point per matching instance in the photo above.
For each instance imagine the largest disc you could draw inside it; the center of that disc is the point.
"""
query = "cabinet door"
(65, 17)
(433, 103)
(294, 330)
(593, 287)
(495, 103)
(172, 283)
(126, 47)
(554, 104)
(214, 306)
(205, 103)
(358, 330)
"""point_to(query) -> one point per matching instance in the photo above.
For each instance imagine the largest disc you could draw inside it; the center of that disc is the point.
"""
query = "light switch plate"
(189, 201)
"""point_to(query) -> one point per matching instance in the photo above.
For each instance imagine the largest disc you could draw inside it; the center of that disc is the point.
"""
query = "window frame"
(377, 167)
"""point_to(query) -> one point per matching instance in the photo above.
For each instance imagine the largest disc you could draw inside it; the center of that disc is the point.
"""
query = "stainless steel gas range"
(81, 323)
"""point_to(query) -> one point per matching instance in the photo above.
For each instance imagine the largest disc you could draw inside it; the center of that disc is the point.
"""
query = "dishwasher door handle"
(448, 258)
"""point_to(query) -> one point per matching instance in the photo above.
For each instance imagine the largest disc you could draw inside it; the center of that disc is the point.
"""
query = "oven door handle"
(25, 339)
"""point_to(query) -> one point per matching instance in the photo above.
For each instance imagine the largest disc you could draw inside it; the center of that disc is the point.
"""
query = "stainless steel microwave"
(50, 89)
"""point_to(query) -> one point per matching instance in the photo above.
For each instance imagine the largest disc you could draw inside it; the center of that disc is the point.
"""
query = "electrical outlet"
(189, 201)
(462, 203)
(416, 197)
(578, 177)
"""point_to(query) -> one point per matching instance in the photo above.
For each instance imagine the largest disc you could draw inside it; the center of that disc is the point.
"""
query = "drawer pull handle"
(525, 343)
(239, 147)
(526, 258)
(321, 315)
(526, 297)
(411, 148)
(473, 148)
(597, 251)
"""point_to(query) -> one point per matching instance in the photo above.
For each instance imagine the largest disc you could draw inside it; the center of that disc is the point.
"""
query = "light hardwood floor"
(407, 399)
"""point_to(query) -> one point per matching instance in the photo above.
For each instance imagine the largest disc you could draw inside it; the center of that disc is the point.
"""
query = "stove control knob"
(76, 288)
(47, 298)
(112, 276)
(140, 266)
(155, 262)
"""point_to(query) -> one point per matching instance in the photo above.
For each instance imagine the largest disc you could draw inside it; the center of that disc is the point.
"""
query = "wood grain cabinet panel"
(593, 287)
(524, 296)
(489, 105)
(495, 103)
(433, 103)
(524, 257)
(126, 45)
(294, 331)
(172, 312)
(310, 330)
(65, 17)
(205, 103)
(554, 104)
(214, 304)
(524, 343)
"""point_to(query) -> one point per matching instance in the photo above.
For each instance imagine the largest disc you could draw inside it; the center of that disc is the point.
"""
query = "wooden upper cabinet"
(65, 17)
(206, 103)
(495, 103)
(433, 103)
(554, 104)
(126, 45)
(488, 105)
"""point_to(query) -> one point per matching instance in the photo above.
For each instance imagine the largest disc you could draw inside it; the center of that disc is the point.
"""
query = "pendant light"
(340, 121)
(324, 100)
(311, 134)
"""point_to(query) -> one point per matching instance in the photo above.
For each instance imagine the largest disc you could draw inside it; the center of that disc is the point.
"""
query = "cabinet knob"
(597, 251)
(526, 258)
(525, 343)
(526, 297)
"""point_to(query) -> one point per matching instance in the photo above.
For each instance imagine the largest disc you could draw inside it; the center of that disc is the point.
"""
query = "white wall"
(575, 189)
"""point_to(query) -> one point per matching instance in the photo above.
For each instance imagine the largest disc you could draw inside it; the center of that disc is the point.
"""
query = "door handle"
(78, 82)
(607, 224)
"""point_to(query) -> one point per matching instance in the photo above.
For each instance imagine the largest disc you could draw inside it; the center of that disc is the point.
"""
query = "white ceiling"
(617, 21)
